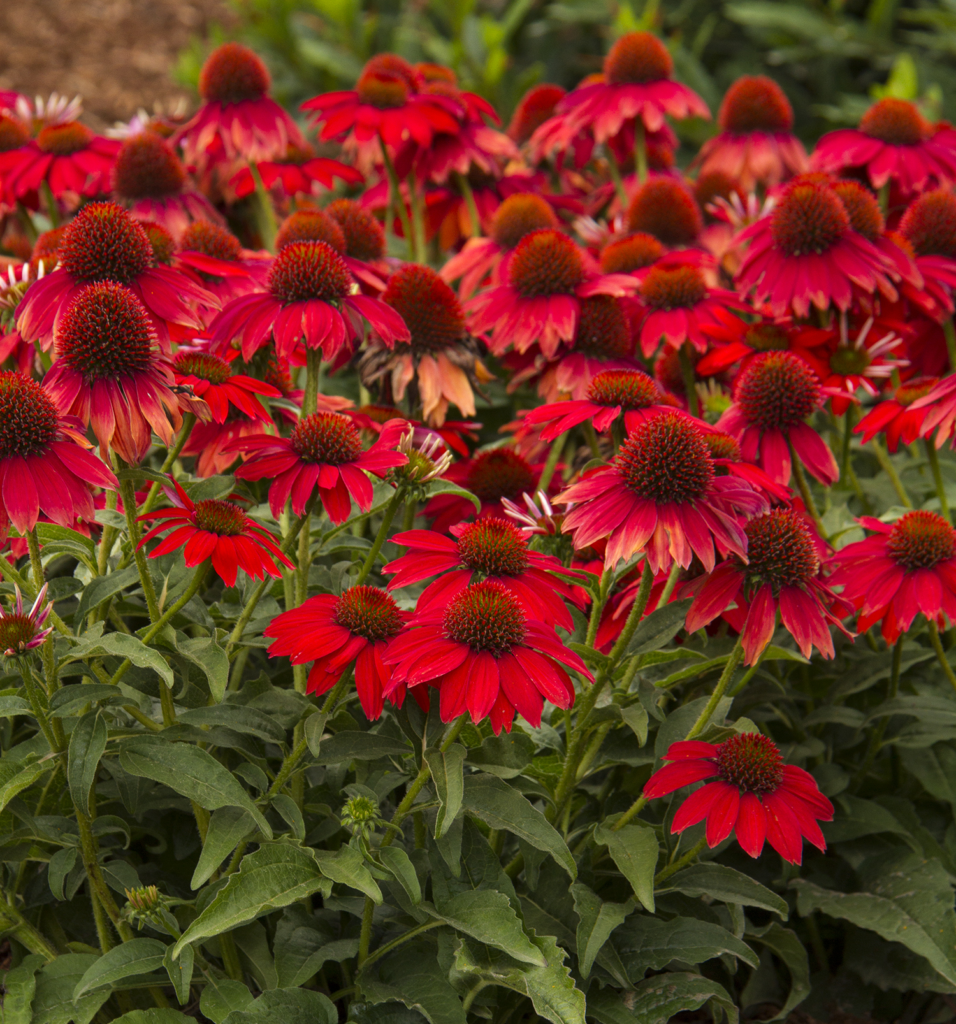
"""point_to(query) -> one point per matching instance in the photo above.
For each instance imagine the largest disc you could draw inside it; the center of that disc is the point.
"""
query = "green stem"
(634, 615)
(615, 173)
(408, 517)
(690, 380)
(165, 618)
(313, 371)
(876, 738)
(940, 653)
(804, 489)
(669, 585)
(848, 418)
(12, 922)
(128, 494)
(46, 649)
(230, 956)
(950, 332)
(89, 850)
(597, 605)
(886, 464)
(933, 460)
(732, 662)
(551, 463)
(390, 509)
(172, 454)
(640, 151)
(682, 862)
(395, 195)
(416, 201)
(267, 216)
(884, 198)
(52, 210)
(404, 937)
(591, 437)
(107, 538)
(469, 197)
(365, 936)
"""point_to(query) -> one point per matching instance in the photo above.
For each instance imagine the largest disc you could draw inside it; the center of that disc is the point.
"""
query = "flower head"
(533, 109)
(666, 209)
(217, 530)
(210, 378)
(661, 496)
(485, 656)
(310, 225)
(901, 570)
(633, 252)
(363, 235)
(902, 416)
(336, 632)
(752, 793)
(22, 631)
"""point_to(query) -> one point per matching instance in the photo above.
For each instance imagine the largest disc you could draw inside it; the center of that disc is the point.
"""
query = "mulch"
(117, 54)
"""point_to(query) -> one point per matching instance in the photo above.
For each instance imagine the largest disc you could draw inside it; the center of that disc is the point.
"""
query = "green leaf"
(551, 988)
(205, 652)
(634, 849)
(411, 975)
(360, 746)
(447, 487)
(786, 945)
(190, 771)
(656, 1000)
(123, 645)
(61, 864)
(658, 629)
(154, 1016)
(448, 775)
(913, 907)
(10, 706)
(221, 996)
(137, 956)
(87, 745)
(635, 717)
(649, 943)
(291, 814)
(180, 972)
(287, 1006)
(99, 589)
(398, 864)
(227, 828)
(276, 875)
(506, 756)
(301, 948)
(314, 728)
(857, 817)
(727, 884)
(53, 1002)
(500, 807)
(20, 985)
(16, 776)
(596, 921)
(246, 720)
(347, 867)
(487, 915)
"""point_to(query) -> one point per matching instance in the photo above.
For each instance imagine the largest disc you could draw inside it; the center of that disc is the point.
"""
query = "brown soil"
(117, 54)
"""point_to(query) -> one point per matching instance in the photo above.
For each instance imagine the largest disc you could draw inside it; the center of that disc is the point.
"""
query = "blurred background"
(832, 57)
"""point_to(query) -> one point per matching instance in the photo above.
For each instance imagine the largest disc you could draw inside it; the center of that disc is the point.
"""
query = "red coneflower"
(238, 120)
(736, 341)
(336, 632)
(636, 83)
(753, 794)
(660, 495)
(548, 276)
(109, 372)
(665, 208)
(929, 226)
(218, 530)
(630, 394)
(902, 419)
(782, 572)
(480, 258)
(387, 103)
(756, 144)
(486, 657)
(45, 467)
(211, 378)
(364, 236)
(489, 548)
(103, 243)
(324, 452)
(805, 252)
(534, 108)
(633, 252)
(773, 397)
(902, 569)
(225, 268)
(440, 362)
(22, 631)
(310, 298)
(298, 172)
(150, 181)
(894, 143)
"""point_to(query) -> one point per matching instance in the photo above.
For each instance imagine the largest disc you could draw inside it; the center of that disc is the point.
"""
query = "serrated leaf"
(649, 943)
(719, 882)
(189, 771)
(10, 706)
(487, 915)
(412, 976)
(658, 629)
(123, 645)
(19, 987)
(634, 849)
(99, 589)
(551, 988)
(87, 746)
(205, 652)
(657, 1000)
(448, 776)
(287, 1006)
(241, 719)
(221, 996)
(227, 827)
(136, 956)
(500, 807)
(596, 921)
(347, 867)
(55, 982)
(402, 870)
(276, 875)
(16, 776)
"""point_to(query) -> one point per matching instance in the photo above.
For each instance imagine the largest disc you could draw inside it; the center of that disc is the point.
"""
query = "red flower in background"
(218, 530)
(902, 569)
(782, 571)
(325, 453)
(298, 172)
(752, 794)
(211, 378)
(336, 632)
(733, 340)
(45, 468)
(902, 419)
(665, 208)
(486, 657)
